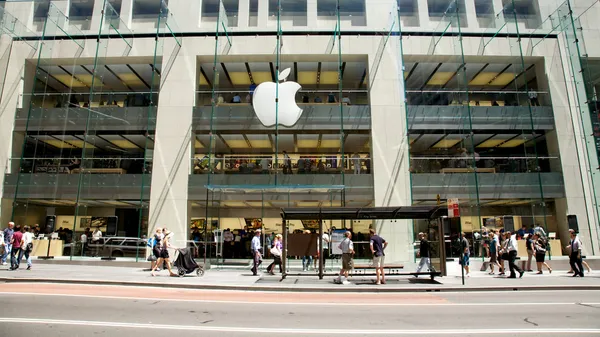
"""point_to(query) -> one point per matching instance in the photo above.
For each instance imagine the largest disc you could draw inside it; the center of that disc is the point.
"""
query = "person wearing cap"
(255, 247)
(575, 257)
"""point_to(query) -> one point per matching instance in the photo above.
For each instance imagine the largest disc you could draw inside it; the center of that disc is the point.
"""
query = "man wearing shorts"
(378, 245)
(464, 260)
(494, 248)
(347, 248)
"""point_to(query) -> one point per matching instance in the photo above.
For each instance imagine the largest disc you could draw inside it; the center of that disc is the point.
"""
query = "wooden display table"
(467, 170)
(100, 171)
(40, 248)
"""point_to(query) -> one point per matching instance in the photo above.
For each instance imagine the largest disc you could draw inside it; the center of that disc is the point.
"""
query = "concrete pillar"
(579, 196)
(263, 14)
(243, 14)
(390, 150)
(172, 150)
(127, 13)
(498, 6)
(97, 16)
(423, 14)
(471, 14)
(311, 8)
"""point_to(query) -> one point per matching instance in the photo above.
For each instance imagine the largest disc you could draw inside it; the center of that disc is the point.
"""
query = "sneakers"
(346, 282)
(28, 267)
(521, 273)
(4, 263)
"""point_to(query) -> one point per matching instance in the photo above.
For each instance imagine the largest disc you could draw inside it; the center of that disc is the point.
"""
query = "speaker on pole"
(572, 220)
(509, 223)
(50, 224)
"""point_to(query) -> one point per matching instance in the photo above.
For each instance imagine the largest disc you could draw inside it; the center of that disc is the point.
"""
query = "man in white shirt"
(96, 236)
(575, 257)
(347, 247)
(255, 247)
(512, 249)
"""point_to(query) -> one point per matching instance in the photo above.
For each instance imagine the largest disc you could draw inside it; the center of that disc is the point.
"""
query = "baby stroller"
(185, 264)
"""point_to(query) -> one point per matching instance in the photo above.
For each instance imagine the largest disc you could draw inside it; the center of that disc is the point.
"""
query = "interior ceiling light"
(237, 144)
(123, 143)
(329, 77)
(130, 79)
(514, 143)
(446, 143)
(240, 78)
(260, 143)
(440, 78)
(307, 77)
(69, 81)
(483, 79)
(261, 76)
(491, 143)
(57, 143)
(503, 79)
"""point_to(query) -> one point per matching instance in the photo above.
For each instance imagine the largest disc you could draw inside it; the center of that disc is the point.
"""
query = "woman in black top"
(539, 245)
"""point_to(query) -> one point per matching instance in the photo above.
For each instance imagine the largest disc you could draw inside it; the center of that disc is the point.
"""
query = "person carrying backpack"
(539, 246)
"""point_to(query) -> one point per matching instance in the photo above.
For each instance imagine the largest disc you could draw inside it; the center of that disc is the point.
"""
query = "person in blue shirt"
(236, 98)
(256, 247)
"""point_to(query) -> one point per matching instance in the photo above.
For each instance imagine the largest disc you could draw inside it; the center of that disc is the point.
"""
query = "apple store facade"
(211, 115)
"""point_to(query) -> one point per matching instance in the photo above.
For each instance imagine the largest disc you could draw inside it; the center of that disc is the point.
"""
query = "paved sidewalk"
(243, 280)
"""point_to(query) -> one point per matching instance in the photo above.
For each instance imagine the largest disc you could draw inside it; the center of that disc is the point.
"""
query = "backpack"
(151, 242)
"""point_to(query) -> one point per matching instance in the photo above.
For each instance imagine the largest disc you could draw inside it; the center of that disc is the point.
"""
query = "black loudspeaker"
(111, 225)
(451, 226)
(50, 224)
(572, 220)
(509, 223)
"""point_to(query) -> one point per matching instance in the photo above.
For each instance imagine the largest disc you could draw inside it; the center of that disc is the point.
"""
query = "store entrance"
(232, 215)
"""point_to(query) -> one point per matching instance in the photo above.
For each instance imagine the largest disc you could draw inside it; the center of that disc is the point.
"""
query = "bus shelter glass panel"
(43, 155)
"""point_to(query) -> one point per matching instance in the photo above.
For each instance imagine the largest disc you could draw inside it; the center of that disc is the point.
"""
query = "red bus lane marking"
(222, 296)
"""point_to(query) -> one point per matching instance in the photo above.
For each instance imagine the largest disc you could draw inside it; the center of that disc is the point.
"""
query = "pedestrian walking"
(276, 251)
(96, 236)
(513, 250)
(530, 250)
(306, 259)
(575, 256)
(423, 253)
(26, 246)
(347, 247)
(165, 244)
(8, 233)
(503, 255)
(539, 246)
(378, 245)
(255, 247)
(15, 241)
(464, 260)
(157, 239)
(494, 248)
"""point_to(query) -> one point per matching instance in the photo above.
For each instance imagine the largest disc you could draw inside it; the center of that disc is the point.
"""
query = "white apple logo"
(264, 105)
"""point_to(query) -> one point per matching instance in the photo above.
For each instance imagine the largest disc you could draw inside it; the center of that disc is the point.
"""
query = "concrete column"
(23, 11)
(579, 198)
(471, 14)
(263, 14)
(311, 8)
(127, 12)
(423, 14)
(498, 6)
(243, 14)
(13, 89)
(390, 150)
(97, 16)
(172, 150)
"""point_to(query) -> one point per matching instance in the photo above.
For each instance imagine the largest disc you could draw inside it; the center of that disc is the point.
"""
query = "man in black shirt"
(378, 244)
(423, 253)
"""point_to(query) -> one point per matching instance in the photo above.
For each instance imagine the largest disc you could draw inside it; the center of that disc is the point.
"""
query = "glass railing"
(265, 164)
(484, 164)
(74, 165)
(308, 97)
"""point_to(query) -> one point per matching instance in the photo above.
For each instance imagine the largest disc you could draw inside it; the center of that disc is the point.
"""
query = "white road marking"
(374, 304)
(270, 330)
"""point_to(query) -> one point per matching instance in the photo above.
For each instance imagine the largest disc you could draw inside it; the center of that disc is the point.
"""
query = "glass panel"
(45, 156)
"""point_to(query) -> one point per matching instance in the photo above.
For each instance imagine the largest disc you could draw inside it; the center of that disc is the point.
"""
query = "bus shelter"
(434, 214)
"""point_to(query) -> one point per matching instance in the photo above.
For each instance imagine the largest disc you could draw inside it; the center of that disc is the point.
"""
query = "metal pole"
(285, 246)
(320, 248)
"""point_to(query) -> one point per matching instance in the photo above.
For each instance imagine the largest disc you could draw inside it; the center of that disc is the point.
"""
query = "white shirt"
(96, 235)
(255, 243)
(325, 241)
(347, 246)
(512, 243)
(228, 236)
(83, 238)
(27, 238)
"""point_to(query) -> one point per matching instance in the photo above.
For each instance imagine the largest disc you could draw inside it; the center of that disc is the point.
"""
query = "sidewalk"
(243, 280)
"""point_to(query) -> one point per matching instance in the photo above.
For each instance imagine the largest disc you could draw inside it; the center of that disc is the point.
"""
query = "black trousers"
(276, 261)
(512, 256)
(576, 263)
(14, 257)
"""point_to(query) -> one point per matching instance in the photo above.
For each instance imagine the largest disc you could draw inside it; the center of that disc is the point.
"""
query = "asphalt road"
(66, 310)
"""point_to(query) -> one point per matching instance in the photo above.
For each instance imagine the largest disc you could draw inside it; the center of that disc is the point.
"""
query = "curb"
(301, 289)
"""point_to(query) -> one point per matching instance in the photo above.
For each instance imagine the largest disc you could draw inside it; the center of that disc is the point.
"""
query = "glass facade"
(325, 103)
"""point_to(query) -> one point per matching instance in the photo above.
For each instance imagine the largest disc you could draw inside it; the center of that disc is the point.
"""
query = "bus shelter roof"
(364, 213)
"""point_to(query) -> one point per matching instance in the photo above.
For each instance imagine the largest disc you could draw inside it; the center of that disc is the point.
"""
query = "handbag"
(275, 251)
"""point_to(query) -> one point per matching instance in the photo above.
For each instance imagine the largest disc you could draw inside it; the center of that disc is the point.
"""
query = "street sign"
(453, 211)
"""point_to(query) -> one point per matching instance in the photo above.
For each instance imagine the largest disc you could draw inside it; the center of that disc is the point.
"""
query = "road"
(77, 310)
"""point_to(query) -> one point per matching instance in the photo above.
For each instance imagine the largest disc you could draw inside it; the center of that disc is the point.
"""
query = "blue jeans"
(14, 254)
(304, 264)
(26, 253)
(7, 250)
